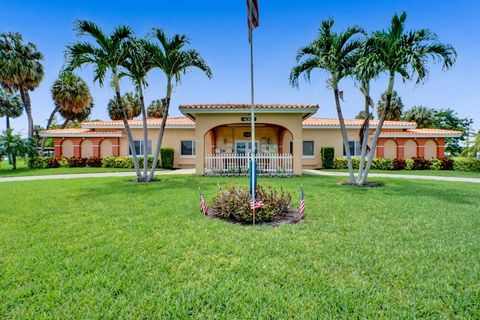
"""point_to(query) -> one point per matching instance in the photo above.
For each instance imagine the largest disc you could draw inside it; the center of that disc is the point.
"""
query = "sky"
(218, 30)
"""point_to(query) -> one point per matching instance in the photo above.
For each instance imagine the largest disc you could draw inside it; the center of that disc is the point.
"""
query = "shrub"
(446, 163)
(382, 164)
(63, 162)
(54, 162)
(466, 164)
(399, 164)
(95, 162)
(166, 156)
(340, 163)
(328, 154)
(109, 162)
(420, 164)
(409, 164)
(38, 162)
(233, 203)
(123, 162)
(435, 164)
(77, 162)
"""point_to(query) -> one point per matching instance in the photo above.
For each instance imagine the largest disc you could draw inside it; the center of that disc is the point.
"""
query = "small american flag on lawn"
(254, 205)
(302, 202)
(203, 204)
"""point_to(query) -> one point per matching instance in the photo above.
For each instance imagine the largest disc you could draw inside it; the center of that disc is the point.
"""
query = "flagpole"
(252, 116)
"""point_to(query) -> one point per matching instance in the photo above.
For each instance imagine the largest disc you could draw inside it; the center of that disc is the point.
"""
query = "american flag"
(203, 204)
(253, 18)
(302, 202)
(254, 205)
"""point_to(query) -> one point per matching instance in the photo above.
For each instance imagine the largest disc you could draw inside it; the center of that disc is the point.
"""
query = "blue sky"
(218, 30)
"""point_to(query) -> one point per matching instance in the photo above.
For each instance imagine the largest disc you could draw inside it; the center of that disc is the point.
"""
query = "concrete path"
(397, 176)
(92, 175)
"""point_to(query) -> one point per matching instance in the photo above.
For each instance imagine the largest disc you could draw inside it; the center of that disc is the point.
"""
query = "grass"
(439, 173)
(109, 248)
(23, 170)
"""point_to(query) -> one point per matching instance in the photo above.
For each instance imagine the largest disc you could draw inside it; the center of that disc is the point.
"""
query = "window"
(139, 148)
(355, 148)
(308, 149)
(187, 148)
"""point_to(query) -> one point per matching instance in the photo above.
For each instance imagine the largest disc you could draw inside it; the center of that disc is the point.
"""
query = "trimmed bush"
(435, 164)
(340, 163)
(166, 157)
(399, 164)
(63, 163)
(38, 162)
(466, 164)
(77, 162)
(54, 162)
(94, 162)
(382, 164)
(446, 163)
(409, 164)
(328, 154)
(420, 164)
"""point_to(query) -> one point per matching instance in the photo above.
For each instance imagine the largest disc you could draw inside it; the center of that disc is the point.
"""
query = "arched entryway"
(106, 148)
(390, 149)
(410, 149)
(67, 148)
(86, 148)
(430, 149)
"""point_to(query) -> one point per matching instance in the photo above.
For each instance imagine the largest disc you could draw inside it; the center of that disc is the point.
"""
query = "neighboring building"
(215, 137)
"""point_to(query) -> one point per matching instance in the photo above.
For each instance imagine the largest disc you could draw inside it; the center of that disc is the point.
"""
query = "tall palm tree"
(336, 53)
(171, 57)
(138, 63)
(404, 53)
(71, 95)
(423, 116)
(75, 117)
(106, 55)
(394, 112)
(13, 146)
(130, 105)
(20, 69)
(11, 106)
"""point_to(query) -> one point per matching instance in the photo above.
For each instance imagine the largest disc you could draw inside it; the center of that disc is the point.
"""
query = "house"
(217, 137)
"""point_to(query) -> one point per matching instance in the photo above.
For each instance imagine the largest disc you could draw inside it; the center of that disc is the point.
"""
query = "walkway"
(397, 176)
(93, 175)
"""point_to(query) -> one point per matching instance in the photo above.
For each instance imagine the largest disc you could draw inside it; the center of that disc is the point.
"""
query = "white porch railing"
(238, 163)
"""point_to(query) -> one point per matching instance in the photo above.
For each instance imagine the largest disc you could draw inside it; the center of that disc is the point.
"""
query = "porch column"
(77, 151)
(421, 148)
(380, 148)
(96, 146)
(400, 148)
(57, 143)
(440, 148)
(297, 149)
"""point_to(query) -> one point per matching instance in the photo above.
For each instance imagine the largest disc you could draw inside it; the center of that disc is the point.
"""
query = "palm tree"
(474, 149)
(11, 106)
(20, 69)
(13, 146)
(173, 60)
(403, 53)
(106, 55)
(72, 96)
(138, 63)
(130, 105)
(423, 116)
(394, 112)
(336, 53)
(75, 117)
(156, 108)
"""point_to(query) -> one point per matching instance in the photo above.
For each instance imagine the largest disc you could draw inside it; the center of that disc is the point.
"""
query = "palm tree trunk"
(14, 161)
(65, 123)
(364, 136)
(49, 123)
(162, 130)
(7, 126)
(379, 128)
(343, 130)
(145, 134)
(131, 144)
(25, 95)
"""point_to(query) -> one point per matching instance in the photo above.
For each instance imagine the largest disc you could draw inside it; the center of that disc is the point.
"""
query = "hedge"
(56, 162)
(166, 161)
(457, 164)
(166, 157)
(328, 154)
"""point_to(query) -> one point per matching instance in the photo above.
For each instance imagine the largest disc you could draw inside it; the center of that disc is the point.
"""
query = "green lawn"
(441, 173)
(23, 170)
(109, 248)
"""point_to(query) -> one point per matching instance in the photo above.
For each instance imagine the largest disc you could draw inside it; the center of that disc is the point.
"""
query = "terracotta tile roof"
(247, 106)
(171, 121)
(423, 132)
(79, 132)
(354, 123)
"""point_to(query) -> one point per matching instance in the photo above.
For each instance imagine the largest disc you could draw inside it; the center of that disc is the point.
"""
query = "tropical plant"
(423, 116)
(130, 105)
(156, 108)
(20, 69)
(474, 149)
(336, 53)
(11, 106)
(171, 57)
(75, 117)
(13, 145)
(106, 55)
(394, 112)
(403, 53)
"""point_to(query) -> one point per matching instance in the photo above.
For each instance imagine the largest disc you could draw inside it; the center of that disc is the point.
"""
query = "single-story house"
(217, 137)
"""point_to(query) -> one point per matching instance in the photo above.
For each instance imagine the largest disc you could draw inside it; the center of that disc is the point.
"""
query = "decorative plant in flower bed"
(233, 205)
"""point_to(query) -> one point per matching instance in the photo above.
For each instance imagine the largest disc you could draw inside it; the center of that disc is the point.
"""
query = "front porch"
(238, 164)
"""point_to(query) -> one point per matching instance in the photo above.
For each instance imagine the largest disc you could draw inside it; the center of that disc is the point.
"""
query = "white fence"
(238, 163)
